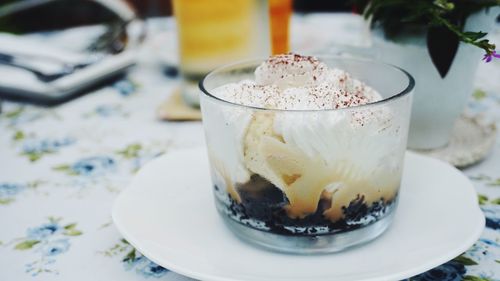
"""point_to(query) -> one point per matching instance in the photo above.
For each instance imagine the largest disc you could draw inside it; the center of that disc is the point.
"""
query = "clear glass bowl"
(308, 181)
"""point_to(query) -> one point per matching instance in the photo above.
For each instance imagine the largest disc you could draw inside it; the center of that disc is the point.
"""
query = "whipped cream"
(341, 152)
(295, 82)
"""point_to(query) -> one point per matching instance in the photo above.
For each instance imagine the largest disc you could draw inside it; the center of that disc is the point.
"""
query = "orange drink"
(212, 33)
(280, 13)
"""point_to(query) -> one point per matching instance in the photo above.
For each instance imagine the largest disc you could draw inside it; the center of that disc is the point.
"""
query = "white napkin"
(40, 52)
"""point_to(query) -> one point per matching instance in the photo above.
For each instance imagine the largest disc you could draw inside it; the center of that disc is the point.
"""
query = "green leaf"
(14, 113)
(444, 4)
(64, 168)
(474, 278)
(35, 184)
(33, 156)
(71, 231)
(131, 151)
(475, 35)
(465, 260)
(54, 219)
(495, 201)
(479, 94)
(18, 135)
(494, 183)
(497, 261)
(105, 225)
(442, 46)
(130, 257)
(5, 201)
(482, 199)
(26, 245)
(70, 226)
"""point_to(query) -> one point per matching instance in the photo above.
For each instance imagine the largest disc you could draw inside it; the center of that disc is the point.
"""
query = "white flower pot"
(437, 102)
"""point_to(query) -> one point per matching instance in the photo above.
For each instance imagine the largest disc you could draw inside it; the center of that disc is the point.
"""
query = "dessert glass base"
(310, 244)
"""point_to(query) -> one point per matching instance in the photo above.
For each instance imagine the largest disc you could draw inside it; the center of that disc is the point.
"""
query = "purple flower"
(489, 56)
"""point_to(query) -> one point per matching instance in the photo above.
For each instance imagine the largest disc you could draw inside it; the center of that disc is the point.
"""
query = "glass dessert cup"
(308, 181)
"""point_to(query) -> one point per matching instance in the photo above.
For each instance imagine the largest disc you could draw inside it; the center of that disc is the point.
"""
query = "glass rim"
(406, 91)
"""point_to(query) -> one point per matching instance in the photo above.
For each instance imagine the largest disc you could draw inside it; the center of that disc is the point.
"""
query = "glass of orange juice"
(213, 33)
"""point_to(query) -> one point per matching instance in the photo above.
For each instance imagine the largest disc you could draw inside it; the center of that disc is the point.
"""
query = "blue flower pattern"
(44, 146)
(450, 271)
(145, 267)
(135, 261)
(125, 87)
(43, 231)
(492, 214)
(106, 110)
(56, 247)
(48, 241)
(8, 191)
(19, 115)
(94, 166)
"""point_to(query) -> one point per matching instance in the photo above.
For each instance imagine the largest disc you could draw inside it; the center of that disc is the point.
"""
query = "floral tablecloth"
(61, 168)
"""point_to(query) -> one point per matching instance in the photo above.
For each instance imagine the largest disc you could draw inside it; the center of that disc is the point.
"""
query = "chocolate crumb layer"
(262, 207)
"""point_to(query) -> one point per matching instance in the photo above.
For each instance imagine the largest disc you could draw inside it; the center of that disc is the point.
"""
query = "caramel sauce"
(219, 168)
(290, 179)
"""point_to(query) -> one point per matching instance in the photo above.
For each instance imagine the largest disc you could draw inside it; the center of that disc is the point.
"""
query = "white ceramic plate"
(168, 214)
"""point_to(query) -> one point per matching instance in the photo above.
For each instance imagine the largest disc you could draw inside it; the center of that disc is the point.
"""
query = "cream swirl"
(294, 82)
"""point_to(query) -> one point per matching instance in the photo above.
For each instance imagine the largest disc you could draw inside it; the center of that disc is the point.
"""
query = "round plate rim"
(209, 277)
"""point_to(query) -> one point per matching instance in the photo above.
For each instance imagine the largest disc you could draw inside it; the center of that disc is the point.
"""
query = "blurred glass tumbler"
(213, 33)
(359, 177)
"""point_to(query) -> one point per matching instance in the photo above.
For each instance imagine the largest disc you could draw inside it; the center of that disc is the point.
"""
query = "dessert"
(303, 149)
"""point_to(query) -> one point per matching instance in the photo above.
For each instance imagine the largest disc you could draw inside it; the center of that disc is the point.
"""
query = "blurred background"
(54, 50)
(62, 14)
